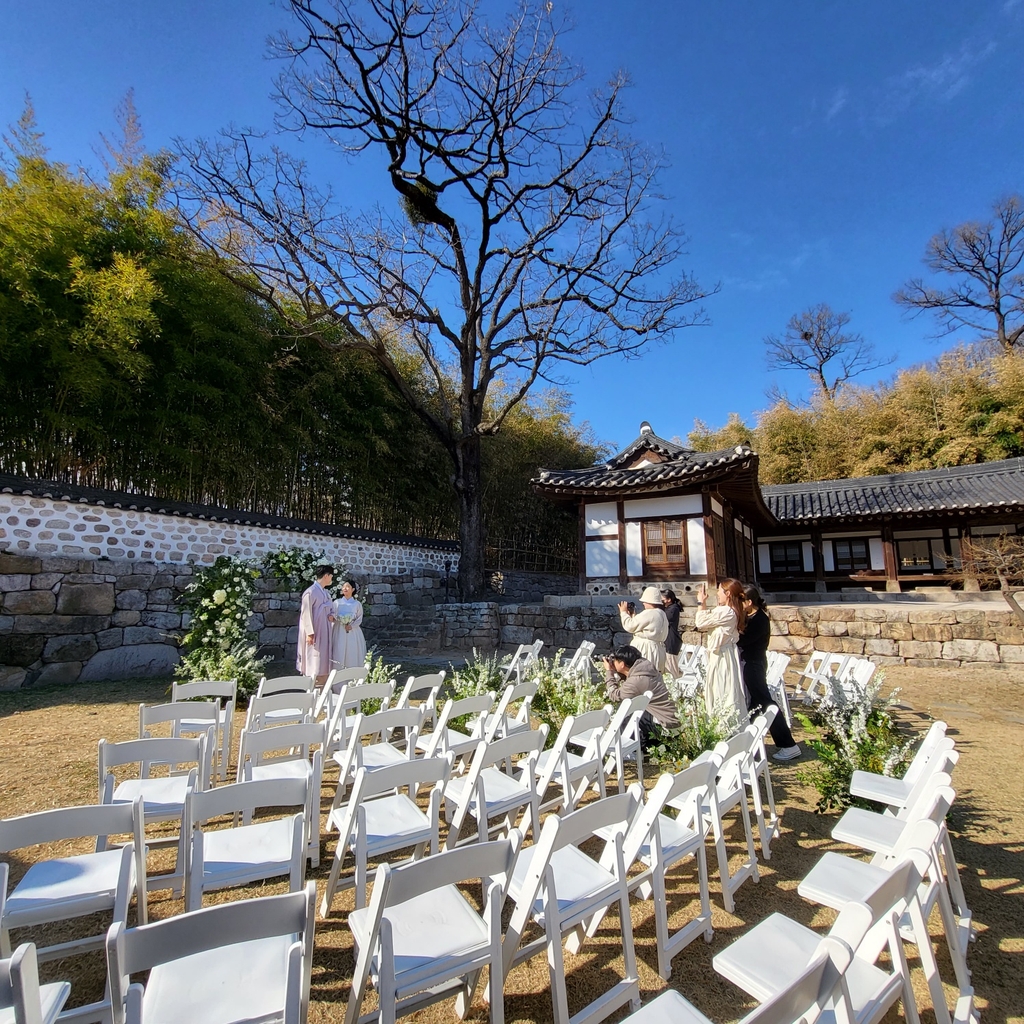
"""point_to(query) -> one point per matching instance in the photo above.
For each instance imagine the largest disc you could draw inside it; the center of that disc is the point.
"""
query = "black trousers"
(650, 731)
(760, 697)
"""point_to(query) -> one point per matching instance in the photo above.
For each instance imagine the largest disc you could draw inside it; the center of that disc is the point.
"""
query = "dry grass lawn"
(49, 760)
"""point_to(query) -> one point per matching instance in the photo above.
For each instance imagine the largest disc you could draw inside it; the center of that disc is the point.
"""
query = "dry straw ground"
(49, 759)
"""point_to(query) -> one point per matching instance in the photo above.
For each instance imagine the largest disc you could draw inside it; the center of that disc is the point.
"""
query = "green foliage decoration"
(852, 731)
(295, 567)
(699, 731)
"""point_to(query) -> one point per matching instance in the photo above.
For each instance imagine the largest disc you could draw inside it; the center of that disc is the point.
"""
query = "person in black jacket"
(753, 648)
(673, 642)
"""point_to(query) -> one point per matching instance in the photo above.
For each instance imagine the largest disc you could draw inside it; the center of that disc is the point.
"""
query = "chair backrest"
(285, 684)
(19, 986)
(100, 820)
(629, 731)
(737, 758)
(349, 703)
(932, 739)
(525, 655)
(346, 675)
(134, 950)
(222, 689)
(384, 723)
(686, 791)
(937, 774)
(513, 693)
(422, 687)
(152, 715)
(159, 750)
(301, 702)
(245, 798)
(290, 742)
(410, 775)
(508, 750)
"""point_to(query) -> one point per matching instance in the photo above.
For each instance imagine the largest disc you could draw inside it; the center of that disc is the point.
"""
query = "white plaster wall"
(601, 519)
(42, 526)
(680, 505)
(603, 558)
(695, 543)
(634, 550)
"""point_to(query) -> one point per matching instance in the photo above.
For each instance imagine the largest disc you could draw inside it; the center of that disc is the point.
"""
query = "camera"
(631, 608)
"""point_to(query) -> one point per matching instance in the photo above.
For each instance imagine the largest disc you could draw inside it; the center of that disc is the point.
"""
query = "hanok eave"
(659, 512)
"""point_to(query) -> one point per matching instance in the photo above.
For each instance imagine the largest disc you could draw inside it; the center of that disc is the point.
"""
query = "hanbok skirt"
(723, 685)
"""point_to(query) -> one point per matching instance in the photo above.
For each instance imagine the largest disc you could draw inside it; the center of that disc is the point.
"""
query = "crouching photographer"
(627, 674)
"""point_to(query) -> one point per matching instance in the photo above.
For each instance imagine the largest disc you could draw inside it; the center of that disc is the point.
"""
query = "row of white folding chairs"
(826, 668)
(776, 679)
(552, 883)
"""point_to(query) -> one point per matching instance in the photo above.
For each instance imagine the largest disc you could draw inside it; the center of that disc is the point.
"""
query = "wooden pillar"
(583, 546)
(709, 542)
(620, 515)
(892, 583)
(820, 586)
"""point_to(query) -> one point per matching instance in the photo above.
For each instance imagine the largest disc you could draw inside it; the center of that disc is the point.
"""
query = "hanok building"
(660, 513)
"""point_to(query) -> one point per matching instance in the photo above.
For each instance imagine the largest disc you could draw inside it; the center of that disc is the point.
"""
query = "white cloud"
(838, 101)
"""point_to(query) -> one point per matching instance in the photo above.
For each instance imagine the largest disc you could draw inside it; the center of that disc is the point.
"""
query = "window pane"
(851, 555)
(787, 557)
(664, 543)
(914, 555)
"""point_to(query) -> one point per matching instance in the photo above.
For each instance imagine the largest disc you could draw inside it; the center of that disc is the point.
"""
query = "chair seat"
(244, 982)
(52, 998)
(669, 1008)
(391, 820)
(282, 716)
(459, 743)
(202, 724)
(878, 833)
(427, 930)
(881, 788)
(501, 791)
(837, 880)
(381, 755)
(294, 768)
(582, 739)
(233, 856)
(677, 841)
(164, 797)
(578, 880)
(53, 890)
(577, 764)
(769, 957)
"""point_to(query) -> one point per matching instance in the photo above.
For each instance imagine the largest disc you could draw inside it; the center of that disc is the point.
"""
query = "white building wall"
(695, 543)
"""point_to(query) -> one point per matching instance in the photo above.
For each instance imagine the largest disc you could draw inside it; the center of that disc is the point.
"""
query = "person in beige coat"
(649, 628)
(723, 684)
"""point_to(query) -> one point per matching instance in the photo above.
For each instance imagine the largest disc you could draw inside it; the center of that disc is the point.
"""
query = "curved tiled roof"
(650, 442)
(612, 477)
(143, 503)
(988, 486)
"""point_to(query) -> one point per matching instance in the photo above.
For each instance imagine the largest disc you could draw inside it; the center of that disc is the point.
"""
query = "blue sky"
(814, 148)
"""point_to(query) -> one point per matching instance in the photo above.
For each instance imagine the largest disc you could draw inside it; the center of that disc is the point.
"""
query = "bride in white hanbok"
(348, 645)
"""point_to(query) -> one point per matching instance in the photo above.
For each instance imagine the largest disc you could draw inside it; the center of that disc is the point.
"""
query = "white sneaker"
(786, 754)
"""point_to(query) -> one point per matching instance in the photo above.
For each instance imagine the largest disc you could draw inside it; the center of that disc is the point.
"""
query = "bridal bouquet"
(344, 620)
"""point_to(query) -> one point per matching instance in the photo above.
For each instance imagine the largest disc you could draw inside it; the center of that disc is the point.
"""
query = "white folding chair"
(392, 734)
(22, 999)
(163, 796)
(222, 858)
(776, 679)
(288, 752)
(559, 887)
(338, 678)
(759, 774)
(526, 655)
(627, 743)
(574, 773)
(501, 722)
(820, 668)
(285, 684)
(380, 819)
(64, 888)
(290, 707)
(766, 958)
(581, 664)
(837, 879)
(729, 793)
(351, 701)
(818, 988)
(444, 738)
(203, 718)
(493, 787)
(421, 941)
(244, 961)
(659, 842)
(225, 693)
(885, 789)
(425, 690)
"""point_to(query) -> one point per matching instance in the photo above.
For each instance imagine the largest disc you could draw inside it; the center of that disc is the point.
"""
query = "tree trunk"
(1010, 596)
(471, 518)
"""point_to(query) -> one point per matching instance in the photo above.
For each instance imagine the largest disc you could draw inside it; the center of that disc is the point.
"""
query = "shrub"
(852, 731)
(698, 732)
(240, 662)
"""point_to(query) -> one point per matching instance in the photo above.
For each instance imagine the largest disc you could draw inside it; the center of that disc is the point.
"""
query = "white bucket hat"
(651, 595)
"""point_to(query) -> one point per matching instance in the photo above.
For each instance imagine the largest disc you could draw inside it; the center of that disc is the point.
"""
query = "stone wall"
(469, 626)
(927, 635)
(518, 586)
(66, 620)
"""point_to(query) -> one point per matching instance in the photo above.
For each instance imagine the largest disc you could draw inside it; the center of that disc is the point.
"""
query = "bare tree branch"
(816, 342)
(988, 295)
(527, 240)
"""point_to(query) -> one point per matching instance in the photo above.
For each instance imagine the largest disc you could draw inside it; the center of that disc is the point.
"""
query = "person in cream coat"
(648, 628)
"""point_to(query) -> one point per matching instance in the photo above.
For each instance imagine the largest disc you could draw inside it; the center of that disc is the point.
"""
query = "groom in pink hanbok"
(313, 657)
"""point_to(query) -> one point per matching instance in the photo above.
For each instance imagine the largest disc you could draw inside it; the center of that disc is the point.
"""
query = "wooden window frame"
(784, 569)
(851, 568)
(666, 568)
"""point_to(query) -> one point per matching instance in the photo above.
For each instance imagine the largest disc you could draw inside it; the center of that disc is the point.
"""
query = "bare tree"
(816, 342)
(996, 561)
(988, 295)
(525, 239)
